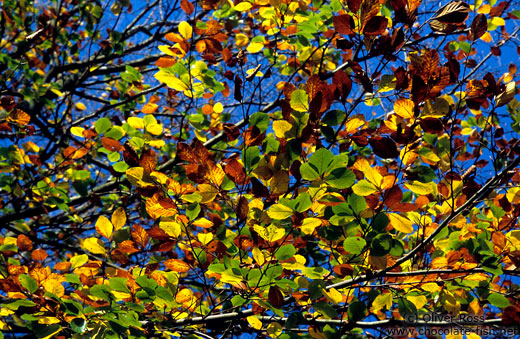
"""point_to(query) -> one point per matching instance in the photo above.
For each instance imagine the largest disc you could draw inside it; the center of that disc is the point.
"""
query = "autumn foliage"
(264, 168)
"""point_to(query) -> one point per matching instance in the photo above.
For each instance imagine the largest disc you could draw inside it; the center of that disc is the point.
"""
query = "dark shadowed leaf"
(344, 24)
(384, 147)
(478, 26)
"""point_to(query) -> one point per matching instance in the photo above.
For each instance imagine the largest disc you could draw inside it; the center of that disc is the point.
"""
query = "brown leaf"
(343, 24)
(242, 208)
(432, 125)
(354, 5)
(140, 235)
(235, 171)
(401, 78)
(259, 190)
(243, 242)
(376, 25)
(111, 144)
(343, 85)
(187, 7)
(231, 131)
(478, 26)
(130, 155)
(454, 12)
(148, 160)
(275, 297)
(384, 147)
(39, 254)
(127, 247)
(343, 270)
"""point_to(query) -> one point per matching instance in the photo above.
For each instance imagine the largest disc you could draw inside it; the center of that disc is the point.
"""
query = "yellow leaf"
(497, 21)
(241, 40)
(242, 6)
(281, 127)
(208, 192)
(54, 286)
(407, 155)
(155, 129)
(136, 122)
(404, 108)
(369, 171)
(486, 37)
(364, 188)
(157, 143)
(484, 9)
(382, 300)
(280, 212)
(274, 330)
(258, 256)
(30, 146)
(177, 265)
(333, 295)
(203, 222)
(78, 260)
(420, 188)
(171, 81)
(477, 277)
(184, 295)
(353, 124)
(77, 131)
(104, 227)
(400, 223)
(216, 175)
(418, 300)
(120, 295)
(254, 322)
(166, 50)
(270, 233)
(205, 238)
(119, 218)
(185, 30)
(80, 106)
(172, 228)
(218, 108)
(309, 224)
(94, 245)
(255, 47)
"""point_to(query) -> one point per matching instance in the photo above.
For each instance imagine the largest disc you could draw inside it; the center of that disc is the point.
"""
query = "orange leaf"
(139, 235)
(148, 160)
(20, 117)
(111, 144)
(127, 247)
(24, 243)
(177, 265)
(159, 206)
(165, 62)
(39, 255)
(149, 108)
(187, 6)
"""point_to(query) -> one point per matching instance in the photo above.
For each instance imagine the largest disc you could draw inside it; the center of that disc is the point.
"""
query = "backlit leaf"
(104, 227)
(177, 265)
(94, 245)
(400, 223)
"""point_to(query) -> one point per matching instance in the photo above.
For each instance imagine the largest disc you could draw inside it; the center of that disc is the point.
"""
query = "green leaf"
(357, 203)
(15, 304)
(120, 166)
(118, 284)
(325, 309)
(251, 157)
(341, 178)
(498, 300)
(381, 244)
(101, 291)
(300, 100)
(354, 245)
(285, 252)
(78, 325)
(28, 283)
(308, 172)
(321, 160)
(356, 311)
(102, 125)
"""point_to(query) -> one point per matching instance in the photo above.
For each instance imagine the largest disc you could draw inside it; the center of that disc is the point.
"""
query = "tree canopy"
(265, 168)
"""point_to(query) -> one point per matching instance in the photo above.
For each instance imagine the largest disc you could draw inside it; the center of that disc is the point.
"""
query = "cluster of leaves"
(285, 168)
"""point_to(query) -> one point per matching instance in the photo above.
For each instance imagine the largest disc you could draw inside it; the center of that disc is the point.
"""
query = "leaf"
(254, 322)
(78, 325)
(376, 25)
(404, 108)
(420, 188)
(275, 297)
(28, 283)
(344, 24)
(102, 125)
(498, 300)
(280, 128)
(454, 12)
(507, 95)
(384, 147)
(333, 295)
(104, 227)
(479, 26)
(382, 300)
(364, 188)
(119, 218)
(185, 30)
(400, 223)
(94, 245)
(187, 7)
(242, 6)
(310, 224)
(78, 261)
(77, 131)
(299, 100)
(140, 235)
(341, 178)
(54, 286)
(280, 212)
(177, 265)
(354, 245)
(270, 233)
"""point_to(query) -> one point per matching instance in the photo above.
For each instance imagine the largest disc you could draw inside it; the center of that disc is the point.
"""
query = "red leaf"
(275, 297)
(432, 125)
(242, 208)
(376, 25)
(235, 171)
(354, 5)
(343, 85)
(344, 24)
